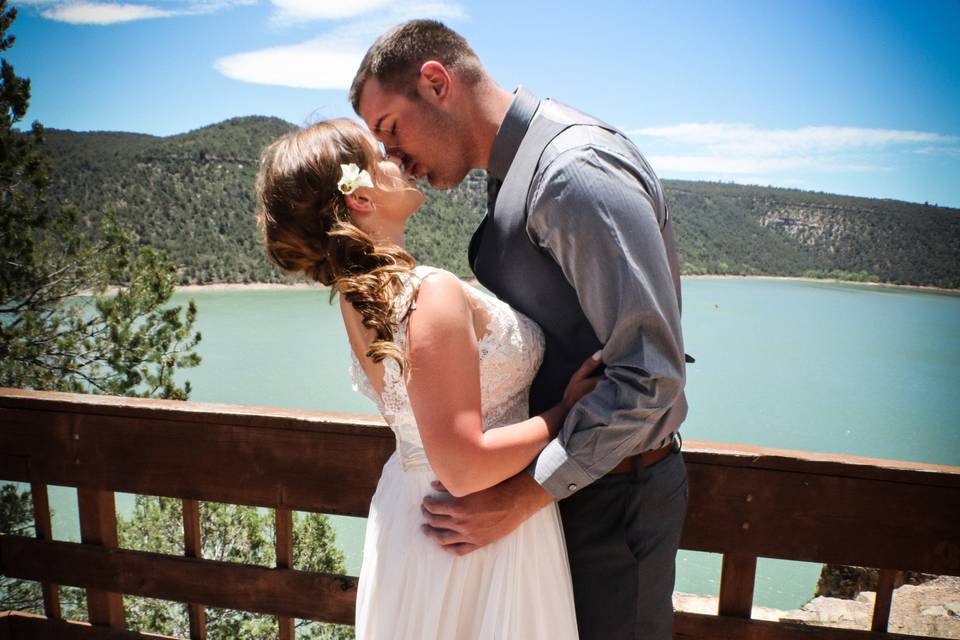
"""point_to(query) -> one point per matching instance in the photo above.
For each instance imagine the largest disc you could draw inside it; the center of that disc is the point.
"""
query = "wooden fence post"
(736, 585)
(98, 526)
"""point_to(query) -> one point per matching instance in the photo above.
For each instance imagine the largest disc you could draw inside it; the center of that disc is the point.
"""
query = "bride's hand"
(582, 382)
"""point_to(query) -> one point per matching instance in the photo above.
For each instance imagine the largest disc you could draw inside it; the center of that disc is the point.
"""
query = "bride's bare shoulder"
(441, 308)
(439, 288)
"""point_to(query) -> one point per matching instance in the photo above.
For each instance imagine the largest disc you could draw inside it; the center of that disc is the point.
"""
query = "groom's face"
(423, 135)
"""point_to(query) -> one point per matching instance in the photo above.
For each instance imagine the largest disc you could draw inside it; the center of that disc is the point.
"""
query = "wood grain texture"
(25, 626)
(692, 626)
(884, 599)
(282, 592)
(296, 465)
(737, 577)
(98, 528)
(283, 528)
(740, 506)
(687, 626)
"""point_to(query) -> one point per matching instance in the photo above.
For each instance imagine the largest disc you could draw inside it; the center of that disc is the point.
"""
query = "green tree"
(16, 518)
(61, 326)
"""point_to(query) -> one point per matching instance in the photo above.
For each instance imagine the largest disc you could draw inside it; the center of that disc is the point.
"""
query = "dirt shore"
(260, 286)
(929, 609)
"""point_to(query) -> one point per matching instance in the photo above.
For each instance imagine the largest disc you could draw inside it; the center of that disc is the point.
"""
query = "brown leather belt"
(646, 459)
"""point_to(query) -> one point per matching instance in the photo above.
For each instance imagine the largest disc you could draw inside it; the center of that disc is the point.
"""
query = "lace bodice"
(510, 354)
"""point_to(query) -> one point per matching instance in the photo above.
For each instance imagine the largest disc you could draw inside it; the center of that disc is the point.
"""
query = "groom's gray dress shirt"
(595, 206)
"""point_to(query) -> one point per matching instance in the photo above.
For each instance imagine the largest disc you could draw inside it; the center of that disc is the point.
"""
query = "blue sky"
(843, 96)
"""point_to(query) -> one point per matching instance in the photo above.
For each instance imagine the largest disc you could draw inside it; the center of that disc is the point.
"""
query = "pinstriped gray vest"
(510, 265)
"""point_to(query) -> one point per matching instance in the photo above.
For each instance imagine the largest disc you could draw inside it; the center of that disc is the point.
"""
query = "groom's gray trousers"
(577, 237)
(622, 533)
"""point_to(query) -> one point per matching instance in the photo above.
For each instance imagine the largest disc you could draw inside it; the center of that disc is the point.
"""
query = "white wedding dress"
(517, 588)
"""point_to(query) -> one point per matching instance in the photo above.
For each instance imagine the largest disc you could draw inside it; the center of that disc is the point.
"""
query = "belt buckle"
(677, 441)
(675, 444)
(674, 447)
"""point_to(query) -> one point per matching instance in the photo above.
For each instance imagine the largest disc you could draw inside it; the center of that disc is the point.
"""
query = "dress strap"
(421, 273)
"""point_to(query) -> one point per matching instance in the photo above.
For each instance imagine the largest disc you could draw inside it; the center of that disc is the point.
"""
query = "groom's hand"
(461, 525)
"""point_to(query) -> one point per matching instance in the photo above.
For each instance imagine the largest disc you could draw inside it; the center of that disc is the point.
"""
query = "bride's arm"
(444, 391)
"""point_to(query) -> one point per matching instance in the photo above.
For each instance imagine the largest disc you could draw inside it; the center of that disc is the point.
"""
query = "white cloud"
(747, 139)
(330, 60)
(315, 64)
(102, 13)
(382, 12)
(294, 10)
(106, 13)
(725, 149)
(731, 164)
(938, 151)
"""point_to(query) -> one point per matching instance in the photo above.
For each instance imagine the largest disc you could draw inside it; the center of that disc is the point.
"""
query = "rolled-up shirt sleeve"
(590, 211)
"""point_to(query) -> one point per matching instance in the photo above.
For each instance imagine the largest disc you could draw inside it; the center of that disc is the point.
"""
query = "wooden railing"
(745, 503)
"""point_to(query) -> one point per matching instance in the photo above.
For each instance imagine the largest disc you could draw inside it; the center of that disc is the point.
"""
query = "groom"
(576, 236)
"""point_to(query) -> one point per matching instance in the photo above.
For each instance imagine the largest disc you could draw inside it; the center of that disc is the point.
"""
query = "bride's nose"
(399, 161)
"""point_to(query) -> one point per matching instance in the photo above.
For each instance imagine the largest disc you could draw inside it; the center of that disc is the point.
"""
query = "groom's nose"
(394, 151)
(399, 156)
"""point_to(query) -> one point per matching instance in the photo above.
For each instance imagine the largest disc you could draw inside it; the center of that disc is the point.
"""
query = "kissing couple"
(537, 490)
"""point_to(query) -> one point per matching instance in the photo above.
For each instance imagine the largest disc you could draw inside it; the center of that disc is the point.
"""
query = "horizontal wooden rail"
(285, 592)
(745, 502)
(17, 625)
(748, 500)
(692, 626)
(687, 626)
(326, 463)
(819, 508)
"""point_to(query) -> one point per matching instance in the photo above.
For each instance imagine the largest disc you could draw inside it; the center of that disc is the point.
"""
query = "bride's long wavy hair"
(306, 226)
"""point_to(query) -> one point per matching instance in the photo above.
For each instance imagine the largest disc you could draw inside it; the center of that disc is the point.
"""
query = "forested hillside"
(725, 228)
(192, 195)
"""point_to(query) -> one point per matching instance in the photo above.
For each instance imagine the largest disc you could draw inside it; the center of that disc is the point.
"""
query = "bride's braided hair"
(306, 226)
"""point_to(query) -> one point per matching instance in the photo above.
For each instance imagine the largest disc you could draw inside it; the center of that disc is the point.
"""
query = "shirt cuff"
(558, 473)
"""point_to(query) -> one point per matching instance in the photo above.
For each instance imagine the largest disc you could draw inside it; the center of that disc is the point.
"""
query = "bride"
(449, 367)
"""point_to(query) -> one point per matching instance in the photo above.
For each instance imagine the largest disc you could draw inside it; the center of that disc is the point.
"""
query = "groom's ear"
(433, 84)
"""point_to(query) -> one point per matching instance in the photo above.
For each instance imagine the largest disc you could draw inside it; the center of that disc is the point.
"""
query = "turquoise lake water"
(852, 369)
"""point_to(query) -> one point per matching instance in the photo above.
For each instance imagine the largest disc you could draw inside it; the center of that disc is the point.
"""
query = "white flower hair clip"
(352, 178)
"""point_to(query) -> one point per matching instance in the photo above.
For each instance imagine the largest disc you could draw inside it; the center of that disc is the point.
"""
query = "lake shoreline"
(912, 287)
(265, 286)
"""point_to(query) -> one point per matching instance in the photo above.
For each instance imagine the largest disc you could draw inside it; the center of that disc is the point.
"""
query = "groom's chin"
(444, 182)
(441, 185)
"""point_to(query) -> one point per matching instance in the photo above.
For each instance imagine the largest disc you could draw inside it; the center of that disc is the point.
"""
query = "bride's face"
(396, 194)
(397, 190)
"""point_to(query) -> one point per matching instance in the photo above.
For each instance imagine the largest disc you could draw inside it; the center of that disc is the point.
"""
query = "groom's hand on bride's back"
(462, 525)
(582, 381)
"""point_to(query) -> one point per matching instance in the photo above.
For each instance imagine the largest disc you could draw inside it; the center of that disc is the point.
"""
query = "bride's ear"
(359, 203)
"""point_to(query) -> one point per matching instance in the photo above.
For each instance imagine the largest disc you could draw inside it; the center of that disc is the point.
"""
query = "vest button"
(572, 487)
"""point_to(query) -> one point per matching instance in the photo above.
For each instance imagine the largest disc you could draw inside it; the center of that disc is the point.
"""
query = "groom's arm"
(591, 211)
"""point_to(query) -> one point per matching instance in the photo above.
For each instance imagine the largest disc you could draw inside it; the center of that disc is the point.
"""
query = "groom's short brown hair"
(396, 57)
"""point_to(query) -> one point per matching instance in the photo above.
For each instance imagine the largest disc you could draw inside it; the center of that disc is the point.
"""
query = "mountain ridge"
(192, 194)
